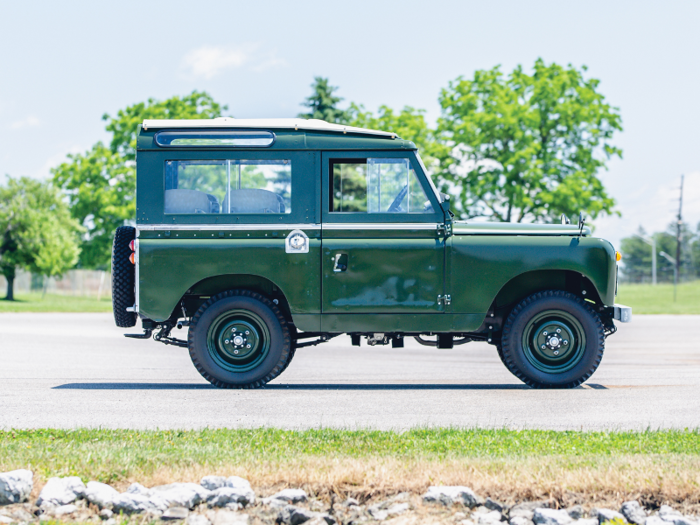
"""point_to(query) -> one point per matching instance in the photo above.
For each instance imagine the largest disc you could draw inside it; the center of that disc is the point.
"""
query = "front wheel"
(552, 339)
(239, 339)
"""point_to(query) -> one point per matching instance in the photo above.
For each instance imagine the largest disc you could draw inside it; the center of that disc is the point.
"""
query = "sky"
(65, 64)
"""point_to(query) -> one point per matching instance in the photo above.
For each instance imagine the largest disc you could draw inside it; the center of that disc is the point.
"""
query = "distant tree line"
(637, 255)
(522, 146)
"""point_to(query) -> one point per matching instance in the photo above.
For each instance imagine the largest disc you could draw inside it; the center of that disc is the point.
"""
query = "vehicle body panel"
(397, 264)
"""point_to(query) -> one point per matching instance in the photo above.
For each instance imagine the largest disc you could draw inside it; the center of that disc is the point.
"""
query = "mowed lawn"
(649, 299)
(34, 302)
(510, 465)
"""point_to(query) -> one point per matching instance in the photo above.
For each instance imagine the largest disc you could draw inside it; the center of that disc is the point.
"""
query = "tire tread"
(507, 335)
(287, 351)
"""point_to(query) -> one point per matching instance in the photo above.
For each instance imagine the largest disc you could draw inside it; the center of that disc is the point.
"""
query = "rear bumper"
(622, 313)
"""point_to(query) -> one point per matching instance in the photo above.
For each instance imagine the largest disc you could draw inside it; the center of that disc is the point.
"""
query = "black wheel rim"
(554, 341)
(238, 340)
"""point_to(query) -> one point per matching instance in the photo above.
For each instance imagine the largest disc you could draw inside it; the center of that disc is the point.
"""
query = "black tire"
(535, 364)
(214, 360)
(123, 277)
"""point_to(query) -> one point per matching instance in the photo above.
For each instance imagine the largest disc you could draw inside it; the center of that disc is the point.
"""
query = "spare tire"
(123, 277)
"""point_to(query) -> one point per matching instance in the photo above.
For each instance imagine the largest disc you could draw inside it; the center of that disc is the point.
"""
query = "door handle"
(340, 262)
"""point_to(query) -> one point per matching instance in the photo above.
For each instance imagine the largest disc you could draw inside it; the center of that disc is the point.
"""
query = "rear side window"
(246, 139)
(376, 185)
(228, 186)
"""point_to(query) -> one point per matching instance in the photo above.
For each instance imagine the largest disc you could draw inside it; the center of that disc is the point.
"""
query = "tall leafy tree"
(528, 146)
(323, 104)
(101, 190)
(124, 125)
(409, 124)
(37, 232)
(101, 182)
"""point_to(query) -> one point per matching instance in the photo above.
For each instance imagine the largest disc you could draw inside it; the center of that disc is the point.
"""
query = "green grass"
(33, 302)
(110, 455)
(648, 299)
(570, 468)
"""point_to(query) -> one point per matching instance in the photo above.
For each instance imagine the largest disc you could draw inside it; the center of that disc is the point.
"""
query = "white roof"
(264, 123)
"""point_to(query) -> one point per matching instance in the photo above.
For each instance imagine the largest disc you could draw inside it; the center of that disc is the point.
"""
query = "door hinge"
(445, 229)
(444, 300)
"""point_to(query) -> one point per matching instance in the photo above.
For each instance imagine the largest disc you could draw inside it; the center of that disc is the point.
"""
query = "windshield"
(430, 180)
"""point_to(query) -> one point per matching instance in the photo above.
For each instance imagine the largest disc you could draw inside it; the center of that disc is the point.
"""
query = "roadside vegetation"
(35, 302)
(649, 299)
(569, 467)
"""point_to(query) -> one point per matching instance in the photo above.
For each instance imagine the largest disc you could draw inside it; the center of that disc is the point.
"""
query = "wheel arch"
(528, 283)
(199, 292)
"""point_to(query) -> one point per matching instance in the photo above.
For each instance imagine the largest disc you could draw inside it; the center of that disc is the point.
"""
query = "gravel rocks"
(551, 517)
(527, 510)
(217, 500)
(604, 515)
(633, 512)
(225, 496)
(213, 482)
(197, 519)
(520, 520)
(100, 494)
(135, 503)
(576, 512)
(61, 491)
(451, 495)
(175, 513)
(290, 496)
(15, 486)
(64, 510)
(226, 517)
(292, 515)
(186, 495)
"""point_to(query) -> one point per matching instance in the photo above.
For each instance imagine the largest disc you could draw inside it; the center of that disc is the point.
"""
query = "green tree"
(37, 231)
(101, 182)
(124, 126)
(323, 104)
(637, 255)
(101, 190)
(409, 124)
(527, 146)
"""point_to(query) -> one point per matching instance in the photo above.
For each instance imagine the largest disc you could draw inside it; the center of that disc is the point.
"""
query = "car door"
(382, 249)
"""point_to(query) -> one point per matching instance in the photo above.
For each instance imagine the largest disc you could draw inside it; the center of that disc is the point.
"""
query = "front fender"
(482, 265)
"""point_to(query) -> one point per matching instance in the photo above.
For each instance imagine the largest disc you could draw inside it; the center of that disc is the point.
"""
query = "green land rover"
(265, 236)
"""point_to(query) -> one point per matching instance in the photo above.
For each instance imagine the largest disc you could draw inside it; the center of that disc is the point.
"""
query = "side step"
(145, 335)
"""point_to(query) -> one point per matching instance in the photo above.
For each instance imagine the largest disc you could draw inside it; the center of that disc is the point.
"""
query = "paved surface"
(68, 370)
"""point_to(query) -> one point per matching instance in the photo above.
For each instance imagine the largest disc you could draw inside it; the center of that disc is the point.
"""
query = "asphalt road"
(70, 370)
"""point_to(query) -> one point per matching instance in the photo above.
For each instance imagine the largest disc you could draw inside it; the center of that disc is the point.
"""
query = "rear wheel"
(552, 339)
(239, 339)
(123, 277)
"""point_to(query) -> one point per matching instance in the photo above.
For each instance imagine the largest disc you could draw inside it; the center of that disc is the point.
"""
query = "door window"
(376, 185)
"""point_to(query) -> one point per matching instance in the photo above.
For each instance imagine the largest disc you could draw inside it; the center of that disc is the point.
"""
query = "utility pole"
(678, 231)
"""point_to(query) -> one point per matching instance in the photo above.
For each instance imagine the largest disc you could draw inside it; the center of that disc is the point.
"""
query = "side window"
(228, 186)
(376, 185)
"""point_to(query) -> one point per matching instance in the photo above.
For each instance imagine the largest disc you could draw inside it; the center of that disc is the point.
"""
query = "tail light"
(132, 258)
(132, 244)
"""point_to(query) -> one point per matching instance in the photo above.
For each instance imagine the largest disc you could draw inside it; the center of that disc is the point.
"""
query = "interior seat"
(190, 201)
(254, 201)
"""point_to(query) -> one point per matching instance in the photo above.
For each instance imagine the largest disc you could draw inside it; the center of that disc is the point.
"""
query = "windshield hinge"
(445, 229)
(444, 300)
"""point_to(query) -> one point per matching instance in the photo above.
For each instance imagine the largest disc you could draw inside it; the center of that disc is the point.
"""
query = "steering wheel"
(396, 204)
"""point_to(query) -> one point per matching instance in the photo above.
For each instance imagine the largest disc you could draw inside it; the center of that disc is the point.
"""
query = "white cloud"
(28, 122)
(209, 61)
